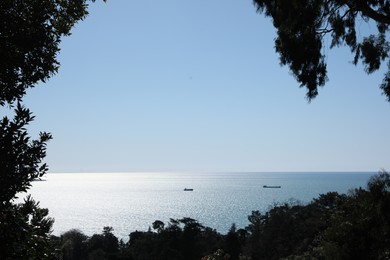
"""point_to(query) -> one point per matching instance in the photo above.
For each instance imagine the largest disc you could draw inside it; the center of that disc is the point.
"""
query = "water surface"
(133, 201)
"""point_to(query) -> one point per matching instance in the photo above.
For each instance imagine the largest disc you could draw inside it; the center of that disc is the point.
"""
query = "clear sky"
(182, 85)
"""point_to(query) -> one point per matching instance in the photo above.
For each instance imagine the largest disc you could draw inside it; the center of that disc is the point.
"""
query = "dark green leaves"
(30, 34)
(374, 50)
(385, 86)
(303, 25)
(20, 157)
(25, 231)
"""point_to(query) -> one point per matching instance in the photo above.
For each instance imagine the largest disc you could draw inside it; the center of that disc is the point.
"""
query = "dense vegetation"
(332, 226)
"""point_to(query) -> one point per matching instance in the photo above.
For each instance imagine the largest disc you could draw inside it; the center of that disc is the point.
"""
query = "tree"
(30, 35)
(24, 230)
(359, 228)
(303, 25)
(158, 225)
(20, 161)
(233, 245)
(105, 245)
(73, 245)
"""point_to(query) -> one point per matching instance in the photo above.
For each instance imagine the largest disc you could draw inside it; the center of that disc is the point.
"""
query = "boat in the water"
(272, 186)
(187, 189)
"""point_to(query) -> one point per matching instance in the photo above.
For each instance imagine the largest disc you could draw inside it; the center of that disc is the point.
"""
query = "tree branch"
(366, 10)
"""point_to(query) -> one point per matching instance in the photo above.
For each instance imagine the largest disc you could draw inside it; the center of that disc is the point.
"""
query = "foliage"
(25, 231)
(360, 228)
(30, 35)
(302, 27)
(217, 255)
(182, 239)
(106, 244)
(233, 243)
(21, 157)
(73, 245)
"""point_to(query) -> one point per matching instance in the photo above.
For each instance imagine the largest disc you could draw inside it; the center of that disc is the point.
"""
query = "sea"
(133, 201)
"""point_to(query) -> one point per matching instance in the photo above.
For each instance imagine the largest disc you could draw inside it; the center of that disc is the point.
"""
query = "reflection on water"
(132, 201)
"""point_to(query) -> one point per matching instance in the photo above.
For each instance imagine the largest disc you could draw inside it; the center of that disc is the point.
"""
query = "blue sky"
(197, 86)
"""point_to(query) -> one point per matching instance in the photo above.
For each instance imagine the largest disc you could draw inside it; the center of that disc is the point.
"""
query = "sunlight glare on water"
(133, 201)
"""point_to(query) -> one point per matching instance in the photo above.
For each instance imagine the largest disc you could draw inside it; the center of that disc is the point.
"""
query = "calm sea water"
(133, 201)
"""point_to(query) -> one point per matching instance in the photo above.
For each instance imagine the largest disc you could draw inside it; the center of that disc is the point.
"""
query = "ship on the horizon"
(272, 186)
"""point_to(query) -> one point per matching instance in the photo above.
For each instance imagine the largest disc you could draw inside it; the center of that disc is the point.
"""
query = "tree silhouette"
(30, 35)
(24, 230)
(303, 25)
